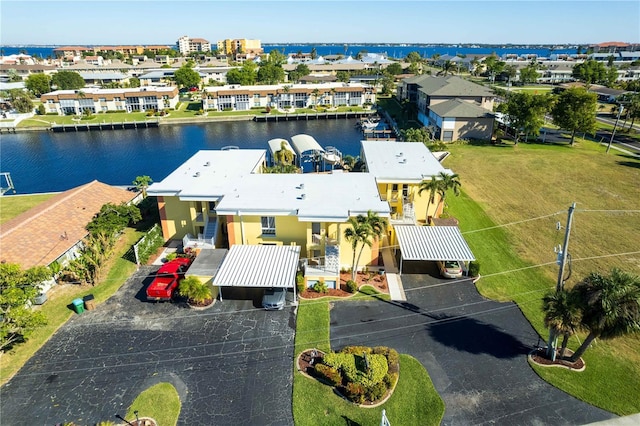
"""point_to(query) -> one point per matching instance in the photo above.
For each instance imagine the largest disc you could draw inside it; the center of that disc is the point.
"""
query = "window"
(315, 228)
(268, 225)
(447, 136)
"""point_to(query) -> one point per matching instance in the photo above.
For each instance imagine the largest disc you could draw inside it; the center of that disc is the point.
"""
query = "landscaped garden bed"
(374, 279)
(360, 374)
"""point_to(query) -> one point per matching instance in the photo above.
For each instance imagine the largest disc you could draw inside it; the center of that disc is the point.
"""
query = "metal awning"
(303, 143)
(259, 266)
(433, 243)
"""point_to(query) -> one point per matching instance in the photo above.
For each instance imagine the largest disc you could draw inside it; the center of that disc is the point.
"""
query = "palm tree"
(562, 317)
(362, 230)
(433, 186)
(610, 306)
(142, 183)
(448, 182)
(316, 93)
(195, 290)
(283, 157)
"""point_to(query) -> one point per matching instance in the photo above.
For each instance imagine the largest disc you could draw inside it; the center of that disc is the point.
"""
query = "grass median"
(513, 198)
(414, 401)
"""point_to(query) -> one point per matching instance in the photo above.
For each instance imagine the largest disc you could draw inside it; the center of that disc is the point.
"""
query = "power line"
(513, 223)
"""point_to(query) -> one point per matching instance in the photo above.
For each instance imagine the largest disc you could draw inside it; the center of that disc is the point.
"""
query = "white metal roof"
(208, 174)
(311, 197)
(276, 144)
(433, 243)
(302, 143)
(259, 266)
(400, 162)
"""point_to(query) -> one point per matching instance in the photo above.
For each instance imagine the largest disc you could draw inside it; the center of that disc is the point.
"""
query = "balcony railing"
(199, 242)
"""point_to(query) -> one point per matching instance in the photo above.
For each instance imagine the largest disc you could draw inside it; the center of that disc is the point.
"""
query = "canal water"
(47, 161)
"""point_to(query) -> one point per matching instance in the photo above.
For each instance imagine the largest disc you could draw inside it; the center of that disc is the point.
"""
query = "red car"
(167, 279)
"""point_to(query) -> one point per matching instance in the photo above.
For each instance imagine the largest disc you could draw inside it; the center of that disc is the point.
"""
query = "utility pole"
(551, 348)
(613, 133)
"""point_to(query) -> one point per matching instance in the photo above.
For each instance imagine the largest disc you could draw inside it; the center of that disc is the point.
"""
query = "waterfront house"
(53, 230)
(427, 92)
(284, 96)
(66, 102)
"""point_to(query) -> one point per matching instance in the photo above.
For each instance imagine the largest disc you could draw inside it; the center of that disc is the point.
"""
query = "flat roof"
(433, 243)
(259, 266)
(207, 263)
(400, 162)
(311, 197)
(209, 174)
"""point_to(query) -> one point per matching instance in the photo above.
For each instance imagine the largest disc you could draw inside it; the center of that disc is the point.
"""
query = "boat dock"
(88, 127)
(311, 116)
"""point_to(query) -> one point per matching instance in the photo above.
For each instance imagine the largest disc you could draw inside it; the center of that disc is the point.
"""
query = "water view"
(46, 161)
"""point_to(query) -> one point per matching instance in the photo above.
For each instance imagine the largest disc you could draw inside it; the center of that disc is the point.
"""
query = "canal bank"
(46, 161)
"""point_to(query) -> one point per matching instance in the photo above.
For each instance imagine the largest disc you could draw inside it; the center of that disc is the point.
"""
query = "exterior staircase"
(211, 228)
(408, 212)
(332, 258)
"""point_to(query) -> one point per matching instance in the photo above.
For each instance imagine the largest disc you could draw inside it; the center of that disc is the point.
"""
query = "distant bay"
(391, 50)
(47, 161)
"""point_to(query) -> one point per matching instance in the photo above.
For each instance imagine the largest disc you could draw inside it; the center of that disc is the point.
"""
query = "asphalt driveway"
(231, 364)
(474, 350)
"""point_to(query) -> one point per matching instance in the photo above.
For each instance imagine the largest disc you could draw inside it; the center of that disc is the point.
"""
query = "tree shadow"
(473, 336)
(349, 422)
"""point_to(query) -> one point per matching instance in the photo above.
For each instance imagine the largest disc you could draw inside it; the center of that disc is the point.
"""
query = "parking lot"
(230, 363)
(474, 349)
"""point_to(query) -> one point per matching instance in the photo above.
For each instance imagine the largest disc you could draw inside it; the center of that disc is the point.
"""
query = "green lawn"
(147, 405)
(57, 312)
(510, 184)
(11, 206)
(414, 401)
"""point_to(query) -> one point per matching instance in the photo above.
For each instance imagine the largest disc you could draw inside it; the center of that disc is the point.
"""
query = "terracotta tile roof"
(40, 235)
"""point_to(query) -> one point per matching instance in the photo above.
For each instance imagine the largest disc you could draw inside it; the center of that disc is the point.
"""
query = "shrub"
(171, 256)
(320, 287)
(355, 392)
(330, 374)
(300, 283)
(41, 110)
(474, 268)
(390, 379)
(376, 391)
(352, 287)
(356, 350)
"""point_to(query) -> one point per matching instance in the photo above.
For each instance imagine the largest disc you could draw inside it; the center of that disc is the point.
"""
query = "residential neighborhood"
(246, 214)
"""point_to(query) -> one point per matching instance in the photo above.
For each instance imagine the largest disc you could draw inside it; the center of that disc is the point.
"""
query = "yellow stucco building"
(221, 199)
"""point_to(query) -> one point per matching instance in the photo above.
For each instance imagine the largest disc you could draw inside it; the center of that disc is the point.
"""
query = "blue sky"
(349, 21)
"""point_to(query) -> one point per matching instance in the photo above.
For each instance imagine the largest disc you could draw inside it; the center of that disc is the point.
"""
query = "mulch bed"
(379, 282)
(540, 358)
(308, 359)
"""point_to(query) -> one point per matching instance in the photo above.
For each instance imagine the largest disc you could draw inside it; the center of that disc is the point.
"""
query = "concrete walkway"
(393, 278)
(395, 287)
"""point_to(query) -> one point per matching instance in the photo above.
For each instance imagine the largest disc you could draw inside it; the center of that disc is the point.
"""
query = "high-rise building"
(187, 45)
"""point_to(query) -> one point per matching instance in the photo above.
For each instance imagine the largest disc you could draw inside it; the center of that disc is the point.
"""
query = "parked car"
(168, 277)
(273, 299)
(450, 268)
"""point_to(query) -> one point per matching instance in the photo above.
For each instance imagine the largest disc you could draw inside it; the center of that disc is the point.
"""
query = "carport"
(432, 243)
(258, 266)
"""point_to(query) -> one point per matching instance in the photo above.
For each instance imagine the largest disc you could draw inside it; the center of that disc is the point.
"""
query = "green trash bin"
(78, 305)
